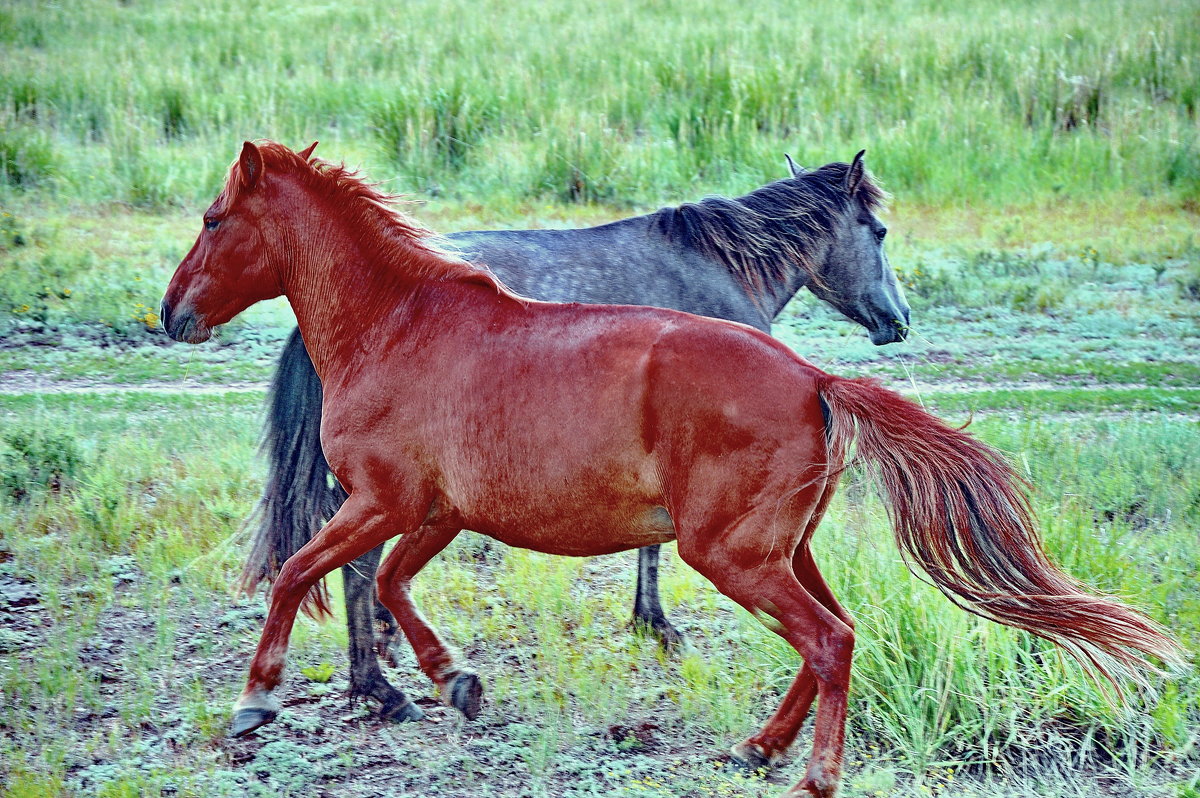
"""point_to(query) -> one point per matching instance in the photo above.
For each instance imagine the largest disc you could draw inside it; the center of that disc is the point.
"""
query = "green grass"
(1069, 400)
(981, 101)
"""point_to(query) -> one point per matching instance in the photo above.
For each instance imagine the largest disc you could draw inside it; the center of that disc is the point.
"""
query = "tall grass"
(620, 103)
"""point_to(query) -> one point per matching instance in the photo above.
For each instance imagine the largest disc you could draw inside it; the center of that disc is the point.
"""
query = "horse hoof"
(669, 638)
(751, 756)
(815, 788)
(464, 692)
(402, 712)
(249, 719)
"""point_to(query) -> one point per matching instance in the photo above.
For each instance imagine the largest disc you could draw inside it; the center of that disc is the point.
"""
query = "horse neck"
(345, 295)
(778, 295)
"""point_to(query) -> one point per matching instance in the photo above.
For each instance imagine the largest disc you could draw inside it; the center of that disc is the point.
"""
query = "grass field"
(619, 103)
(1045, 166)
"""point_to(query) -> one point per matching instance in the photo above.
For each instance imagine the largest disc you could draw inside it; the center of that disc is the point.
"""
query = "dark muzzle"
(181, 324)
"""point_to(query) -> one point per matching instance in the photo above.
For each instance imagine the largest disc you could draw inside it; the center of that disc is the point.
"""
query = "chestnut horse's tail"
(961, 516)
(301, 494)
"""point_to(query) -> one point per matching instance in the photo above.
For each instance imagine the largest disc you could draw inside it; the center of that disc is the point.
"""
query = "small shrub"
(1182, 172)
(1063, 102)
(1188, 283)
(1030, 297)
(578, 168)
(12, 234)
(319, 673)
(439, 127)
(1007, 263)
(175, 113)
(937, 285)
(36, 462)
(26, 157)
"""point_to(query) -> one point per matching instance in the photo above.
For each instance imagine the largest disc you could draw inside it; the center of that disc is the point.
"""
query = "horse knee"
(294, 580)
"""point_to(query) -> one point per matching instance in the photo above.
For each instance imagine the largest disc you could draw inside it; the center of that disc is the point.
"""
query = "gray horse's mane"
(765, 236)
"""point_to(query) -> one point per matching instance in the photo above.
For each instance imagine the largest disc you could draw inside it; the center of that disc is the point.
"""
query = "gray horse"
(738, 259)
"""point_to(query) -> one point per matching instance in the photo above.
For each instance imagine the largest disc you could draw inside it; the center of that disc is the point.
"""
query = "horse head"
(228, 268)
(856, 277)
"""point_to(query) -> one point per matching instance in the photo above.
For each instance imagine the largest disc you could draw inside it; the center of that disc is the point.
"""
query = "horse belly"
(585, 517)
(583, 533)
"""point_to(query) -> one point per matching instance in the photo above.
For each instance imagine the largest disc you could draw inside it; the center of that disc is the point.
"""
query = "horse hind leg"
(366, 677)
(770, 744)
(460, 687)
(769, 588)
(648, 615)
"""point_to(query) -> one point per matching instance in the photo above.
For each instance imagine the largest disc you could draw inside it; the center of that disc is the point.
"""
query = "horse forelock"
(373, 215)
(770, 233)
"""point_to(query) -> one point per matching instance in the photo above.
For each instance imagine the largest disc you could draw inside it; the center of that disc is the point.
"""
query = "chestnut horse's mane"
(373, 214)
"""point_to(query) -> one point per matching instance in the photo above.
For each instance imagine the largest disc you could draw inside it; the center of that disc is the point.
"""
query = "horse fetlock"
(463, 690)
(373, 685)
(821, 786)
(822, 778)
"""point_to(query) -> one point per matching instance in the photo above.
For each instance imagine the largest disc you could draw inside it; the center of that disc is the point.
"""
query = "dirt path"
(15, 383)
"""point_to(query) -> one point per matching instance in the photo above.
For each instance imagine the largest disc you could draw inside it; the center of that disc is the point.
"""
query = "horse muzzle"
(182, 324)
(891, 333)
(888, 325)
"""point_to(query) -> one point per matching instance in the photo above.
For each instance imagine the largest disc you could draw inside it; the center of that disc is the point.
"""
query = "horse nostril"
(164, 314)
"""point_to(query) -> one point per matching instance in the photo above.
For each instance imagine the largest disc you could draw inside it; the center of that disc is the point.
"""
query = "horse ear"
(251, 161)
(854, 174)
(796, 169)
(307, 152)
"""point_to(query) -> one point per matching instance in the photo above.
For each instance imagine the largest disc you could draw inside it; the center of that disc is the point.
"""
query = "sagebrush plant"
(1188, 281)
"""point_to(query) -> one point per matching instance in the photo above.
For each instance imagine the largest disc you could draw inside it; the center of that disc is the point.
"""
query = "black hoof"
(393, 704)
(465, 693)
(247, 720)
(750, 757)
(401, 712)
(670, 638)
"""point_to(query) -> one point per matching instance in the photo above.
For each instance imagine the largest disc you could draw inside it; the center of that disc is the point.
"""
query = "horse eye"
(212, 224)
(880, 233)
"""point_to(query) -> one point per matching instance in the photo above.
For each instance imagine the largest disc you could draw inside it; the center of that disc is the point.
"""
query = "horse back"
(623, 263)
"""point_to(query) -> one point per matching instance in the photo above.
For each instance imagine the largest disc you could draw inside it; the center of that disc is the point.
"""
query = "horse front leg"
(366, 677)
(648, 615)
(460, 687)
(358, 526)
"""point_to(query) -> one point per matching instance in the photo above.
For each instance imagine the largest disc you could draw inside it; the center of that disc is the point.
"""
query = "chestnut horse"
(452, 403)
(740, 259)
(731, 258)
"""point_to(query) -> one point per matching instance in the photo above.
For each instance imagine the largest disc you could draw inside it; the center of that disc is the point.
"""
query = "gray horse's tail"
(301, 493)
